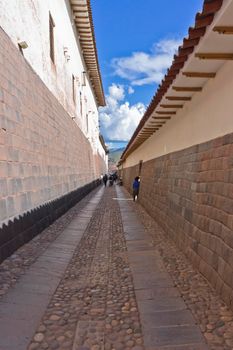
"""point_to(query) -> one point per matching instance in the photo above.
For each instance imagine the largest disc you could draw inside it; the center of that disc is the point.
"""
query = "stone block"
(13, 154)
(10, 204)
(3, 169)
(23, 200)
(3, 187)
(3, 153)
(14, 186)
(225, 271)
(3, 210)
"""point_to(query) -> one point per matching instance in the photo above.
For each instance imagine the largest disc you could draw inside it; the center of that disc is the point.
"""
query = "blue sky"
(136, 41)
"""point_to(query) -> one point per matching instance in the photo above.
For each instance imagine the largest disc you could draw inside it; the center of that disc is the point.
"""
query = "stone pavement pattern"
(118, 275)
(210, 312)
(94, 306)
(12, 268)
(166, 321)
(30, 297)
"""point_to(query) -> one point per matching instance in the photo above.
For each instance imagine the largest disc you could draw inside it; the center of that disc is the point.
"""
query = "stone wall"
(43, 153)
(190, 194)
(44, 156)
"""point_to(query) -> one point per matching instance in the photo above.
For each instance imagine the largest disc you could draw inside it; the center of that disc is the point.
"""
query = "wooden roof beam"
(199, 74)
(150, 128)
(223, 29)
(147, 132)
(214, 56)
(178, 98)
(161, 118)
(171, 106)
(158, 122)
(146, 129)
(166, 113)
(187, 88)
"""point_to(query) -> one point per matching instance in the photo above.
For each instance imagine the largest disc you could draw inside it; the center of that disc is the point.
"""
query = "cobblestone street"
(101, 279)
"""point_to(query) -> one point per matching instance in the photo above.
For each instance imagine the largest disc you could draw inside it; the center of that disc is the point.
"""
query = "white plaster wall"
(209, 115)
(103, 155)
(28, 20)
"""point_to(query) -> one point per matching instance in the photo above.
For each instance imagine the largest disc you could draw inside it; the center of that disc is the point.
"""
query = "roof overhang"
(101, 138)
(208, 45)
(84, 24)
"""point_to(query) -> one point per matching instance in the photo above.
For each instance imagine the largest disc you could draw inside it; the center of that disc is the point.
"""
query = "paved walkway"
(23, 306)
(165, 319)
(100, 284)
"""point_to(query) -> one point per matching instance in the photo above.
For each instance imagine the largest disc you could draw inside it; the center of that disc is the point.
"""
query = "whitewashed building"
(183, 148)
(51, 152)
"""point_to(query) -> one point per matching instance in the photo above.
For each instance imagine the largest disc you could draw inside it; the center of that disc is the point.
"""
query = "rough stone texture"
(94, 306)
(212, 315)
(21, 230)
(190, 194)
(12, 268)
(43, 153)
(98, 297)
(30, 297)
(165, 318)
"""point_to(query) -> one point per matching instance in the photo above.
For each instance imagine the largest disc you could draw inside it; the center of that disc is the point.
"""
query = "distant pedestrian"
(115, 177)
(110, 180)
(136, 185)
(105, 179)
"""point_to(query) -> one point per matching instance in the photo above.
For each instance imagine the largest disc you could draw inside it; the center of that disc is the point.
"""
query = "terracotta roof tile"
(211, 6)
(185, 51)
(87, 40)
(196, 33)
(203, 20)
(190, 42)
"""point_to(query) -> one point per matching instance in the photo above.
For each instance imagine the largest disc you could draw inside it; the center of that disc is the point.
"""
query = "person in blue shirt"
(136, 185)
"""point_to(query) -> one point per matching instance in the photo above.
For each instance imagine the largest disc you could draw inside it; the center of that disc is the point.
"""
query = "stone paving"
(167, 323)
(118, 290)
(94, 306)
(29, 298)
(12, 268)
(210, 312)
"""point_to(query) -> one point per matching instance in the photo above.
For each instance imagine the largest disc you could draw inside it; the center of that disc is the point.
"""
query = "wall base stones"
(22, 229)
(190, 194)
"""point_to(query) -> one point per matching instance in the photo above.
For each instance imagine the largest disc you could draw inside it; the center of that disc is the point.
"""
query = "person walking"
(105, 179)
(136, 185)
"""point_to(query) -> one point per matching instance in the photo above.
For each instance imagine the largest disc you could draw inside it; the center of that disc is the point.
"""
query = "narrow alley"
(102, 102)
(105, 276)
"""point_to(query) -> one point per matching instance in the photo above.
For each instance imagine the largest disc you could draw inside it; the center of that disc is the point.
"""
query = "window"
(51, 38)
(73, 89)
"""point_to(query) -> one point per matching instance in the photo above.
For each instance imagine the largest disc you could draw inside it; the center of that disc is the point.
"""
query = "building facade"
(183, 148)
(51, 153)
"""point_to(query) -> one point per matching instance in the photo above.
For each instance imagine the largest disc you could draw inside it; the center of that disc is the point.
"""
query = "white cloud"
(119, 119)
(146, 68)
(117, 92)
(130, 90)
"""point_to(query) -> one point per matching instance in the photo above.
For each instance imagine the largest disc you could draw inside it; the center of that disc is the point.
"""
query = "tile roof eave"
(202, 21)
(93, 63)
